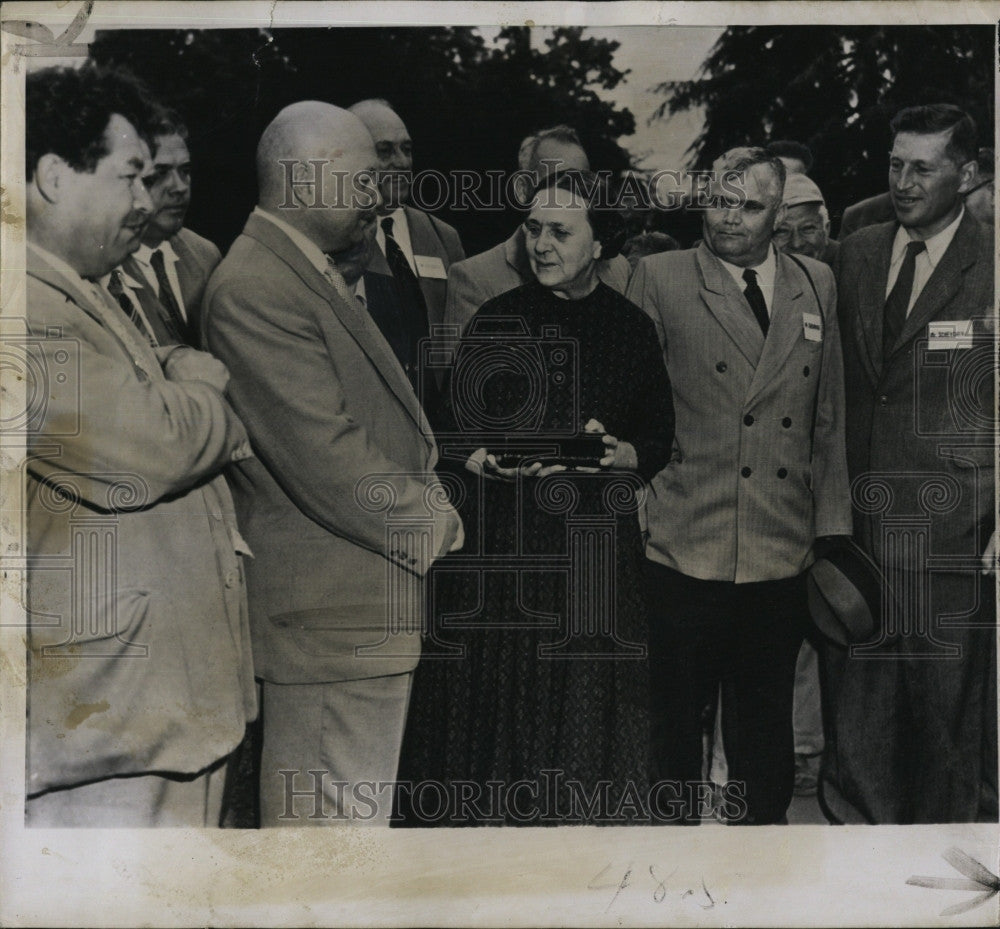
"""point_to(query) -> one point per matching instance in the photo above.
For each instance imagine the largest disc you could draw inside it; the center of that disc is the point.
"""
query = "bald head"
(393, 147)
(301, 158)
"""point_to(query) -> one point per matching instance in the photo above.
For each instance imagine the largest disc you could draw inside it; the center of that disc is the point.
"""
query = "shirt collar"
(304, 244)
(400, 228)
(144, 253)
(765, 271)
(127, 280)
(936, 245)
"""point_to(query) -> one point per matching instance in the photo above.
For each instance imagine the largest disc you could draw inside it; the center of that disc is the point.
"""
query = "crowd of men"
(226, 489)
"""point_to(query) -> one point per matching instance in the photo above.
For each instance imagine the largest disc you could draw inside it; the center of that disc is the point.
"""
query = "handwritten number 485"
(659, 887)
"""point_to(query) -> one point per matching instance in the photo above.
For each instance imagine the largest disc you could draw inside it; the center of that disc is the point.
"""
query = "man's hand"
(989, 558)
(188, 364)
(619, 455)
(459, 541)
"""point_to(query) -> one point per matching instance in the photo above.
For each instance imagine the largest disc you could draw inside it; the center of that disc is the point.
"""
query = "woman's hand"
(488, 466)
(617, 454)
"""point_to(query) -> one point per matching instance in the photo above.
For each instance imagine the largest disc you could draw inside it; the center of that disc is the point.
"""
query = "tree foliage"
(835, 88)
(467, 101)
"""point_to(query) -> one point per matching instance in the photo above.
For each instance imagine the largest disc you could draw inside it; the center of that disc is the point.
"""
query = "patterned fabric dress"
(530, 703)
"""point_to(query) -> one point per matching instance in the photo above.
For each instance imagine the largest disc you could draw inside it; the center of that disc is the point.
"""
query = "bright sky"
(656, 54)
(653, 54)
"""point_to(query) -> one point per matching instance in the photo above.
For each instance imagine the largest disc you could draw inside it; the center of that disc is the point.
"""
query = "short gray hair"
(745, 157)
(528, 152)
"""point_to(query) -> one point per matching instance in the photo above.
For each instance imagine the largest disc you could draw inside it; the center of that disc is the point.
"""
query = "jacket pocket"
(105, 626)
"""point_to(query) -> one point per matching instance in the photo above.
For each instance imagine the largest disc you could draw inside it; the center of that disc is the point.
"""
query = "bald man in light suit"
(344, 448)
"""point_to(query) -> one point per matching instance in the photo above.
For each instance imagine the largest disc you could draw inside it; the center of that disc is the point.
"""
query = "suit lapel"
(149, 301)
(728, 305)
(424, 240)
(111, 319)
(190, 274)
(40, 269)
(354, 319)
(944, 282)
(871, 300)
(785, 329)
(378, 263)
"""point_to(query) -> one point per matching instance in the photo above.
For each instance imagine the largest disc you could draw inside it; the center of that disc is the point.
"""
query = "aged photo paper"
(599, 60)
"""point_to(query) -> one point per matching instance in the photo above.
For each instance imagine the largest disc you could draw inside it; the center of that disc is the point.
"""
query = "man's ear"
(304, 176)
(50, 176)
(598, 248)
(524, 187)
(969, 172)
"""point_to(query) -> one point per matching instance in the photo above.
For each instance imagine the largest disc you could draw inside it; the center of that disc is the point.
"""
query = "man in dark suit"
(415, 250)
(867, 212)
(341, 507)
(505, 266)
(751, 345)
(915, 722)
(168, 272)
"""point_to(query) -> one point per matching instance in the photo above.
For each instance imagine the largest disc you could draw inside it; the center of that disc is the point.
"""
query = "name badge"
(812, 327)
(952, 334)
(430, 266)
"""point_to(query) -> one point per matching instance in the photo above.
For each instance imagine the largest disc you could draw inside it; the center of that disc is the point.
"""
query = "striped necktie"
(117, 289)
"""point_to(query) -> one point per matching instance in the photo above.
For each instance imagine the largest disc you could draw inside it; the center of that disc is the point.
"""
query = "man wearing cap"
(915, 724)
(805, 230)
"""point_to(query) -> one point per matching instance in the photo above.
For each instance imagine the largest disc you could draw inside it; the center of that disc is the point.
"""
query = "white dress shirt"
(925, 262)
(401, 233)
(143, 257)
(360, 294)
(765, 271)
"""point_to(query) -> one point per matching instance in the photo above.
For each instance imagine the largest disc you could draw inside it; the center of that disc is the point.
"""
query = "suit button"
(883, 400)
(745, 471)
(232, 579)
(748, 420)
(782, 473)
(805, 371)
(411, 560)
(721, 367)
(787, 422)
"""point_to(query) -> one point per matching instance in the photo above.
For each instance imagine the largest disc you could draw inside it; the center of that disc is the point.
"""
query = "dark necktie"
(175, 323)
(411, 297)
(116, 287)
(755, 297)
(898, 302)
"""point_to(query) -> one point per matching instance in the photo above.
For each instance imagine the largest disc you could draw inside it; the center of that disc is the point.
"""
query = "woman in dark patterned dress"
(529, 705)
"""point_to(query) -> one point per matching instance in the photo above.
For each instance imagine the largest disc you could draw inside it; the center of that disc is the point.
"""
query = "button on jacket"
(751, 483)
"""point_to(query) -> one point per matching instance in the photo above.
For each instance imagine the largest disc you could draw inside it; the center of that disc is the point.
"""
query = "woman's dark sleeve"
(459, 429)
(651, 413)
